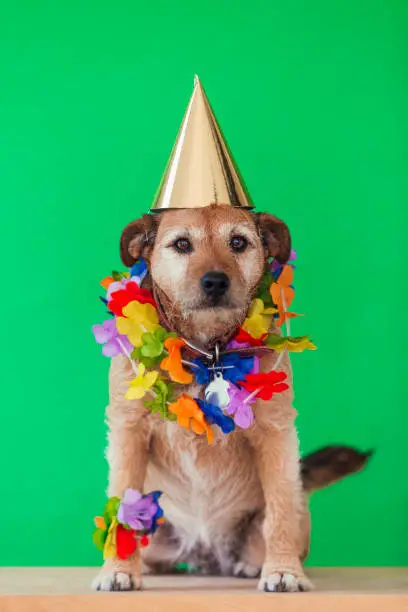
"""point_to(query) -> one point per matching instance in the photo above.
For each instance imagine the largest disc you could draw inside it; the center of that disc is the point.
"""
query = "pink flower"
(239, 407)
(108, 335)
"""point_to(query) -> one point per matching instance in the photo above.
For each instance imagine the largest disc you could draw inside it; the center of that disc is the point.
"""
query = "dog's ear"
(275, 236)
(137, 239)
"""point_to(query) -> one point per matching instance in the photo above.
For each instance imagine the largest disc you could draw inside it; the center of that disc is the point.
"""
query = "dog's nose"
(215, 284)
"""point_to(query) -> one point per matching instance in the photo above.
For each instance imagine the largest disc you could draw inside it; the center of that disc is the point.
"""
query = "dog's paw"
(116, 581)
(284, 582)
(246, 570)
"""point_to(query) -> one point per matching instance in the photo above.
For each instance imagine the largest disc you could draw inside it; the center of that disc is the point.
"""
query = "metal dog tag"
(217, 391)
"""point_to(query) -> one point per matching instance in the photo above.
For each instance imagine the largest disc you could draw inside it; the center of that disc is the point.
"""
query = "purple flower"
(118, 285)
(239, 408)
(255, 369)
(276, 267)
(137, 510)
(108, 335)
(233, 344)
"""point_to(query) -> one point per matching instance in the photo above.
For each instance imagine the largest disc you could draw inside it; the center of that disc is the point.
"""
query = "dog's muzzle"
(215, 285)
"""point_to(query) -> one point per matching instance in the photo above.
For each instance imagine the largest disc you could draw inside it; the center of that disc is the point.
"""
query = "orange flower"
(173, 364)
(283, 316)
(282, 294)
(190, 416)
(100, 522)
(105, 282)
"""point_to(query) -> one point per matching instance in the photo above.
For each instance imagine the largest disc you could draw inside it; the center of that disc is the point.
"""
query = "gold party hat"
(201, 169)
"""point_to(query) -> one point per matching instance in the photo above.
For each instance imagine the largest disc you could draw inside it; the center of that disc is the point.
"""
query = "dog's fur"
(237, 506)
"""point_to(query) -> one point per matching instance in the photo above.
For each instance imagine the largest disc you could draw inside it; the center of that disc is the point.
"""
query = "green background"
(312, 96)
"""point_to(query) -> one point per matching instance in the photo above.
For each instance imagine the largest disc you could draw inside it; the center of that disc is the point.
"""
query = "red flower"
(144, 541)
(126, 542)
(131, 292)
(266, 384)
(243, 336)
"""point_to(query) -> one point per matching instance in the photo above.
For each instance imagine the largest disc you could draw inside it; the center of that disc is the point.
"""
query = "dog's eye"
(183, 245)
(238, 244)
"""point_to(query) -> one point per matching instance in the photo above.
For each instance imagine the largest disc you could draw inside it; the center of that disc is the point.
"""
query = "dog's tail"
(330, 464)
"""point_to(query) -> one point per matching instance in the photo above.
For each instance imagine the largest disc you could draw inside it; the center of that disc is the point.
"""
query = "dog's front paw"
(284, 582)
(116, 581)
(246, 570)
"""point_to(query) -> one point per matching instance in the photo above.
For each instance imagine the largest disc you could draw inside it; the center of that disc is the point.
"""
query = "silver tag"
(217, 391)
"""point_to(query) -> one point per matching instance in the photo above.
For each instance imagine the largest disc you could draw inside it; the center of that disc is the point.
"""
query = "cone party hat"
(201, 170)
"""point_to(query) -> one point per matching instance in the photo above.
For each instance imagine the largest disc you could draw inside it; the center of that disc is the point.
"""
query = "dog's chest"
(206, 489)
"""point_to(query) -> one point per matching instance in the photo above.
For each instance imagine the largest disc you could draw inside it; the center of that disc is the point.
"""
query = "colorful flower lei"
(127, 524)
(233, 384)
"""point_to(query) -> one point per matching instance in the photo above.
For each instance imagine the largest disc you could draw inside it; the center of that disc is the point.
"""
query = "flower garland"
(233, 383)
(127, 524)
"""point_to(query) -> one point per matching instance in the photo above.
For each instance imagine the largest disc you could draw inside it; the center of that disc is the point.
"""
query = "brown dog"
(237, 506)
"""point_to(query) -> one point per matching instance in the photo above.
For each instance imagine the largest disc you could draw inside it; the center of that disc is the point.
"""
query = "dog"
(239, 506)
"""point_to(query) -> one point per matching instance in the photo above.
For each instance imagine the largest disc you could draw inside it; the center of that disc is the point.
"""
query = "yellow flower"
(259, 319)
(142, 383)
(139, 318)
(109, 550)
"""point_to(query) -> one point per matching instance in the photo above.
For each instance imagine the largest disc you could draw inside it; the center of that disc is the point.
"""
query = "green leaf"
(161, 334)
(152, 346)
(163, 393)
(302, 342)
(273, 340)
(111, 509)
(153, 343)
(99, 537)
(185, 568)
(149, 362)
(164, 388)
(117, 276)
(263, 289)
(170, 335)
(297, 339)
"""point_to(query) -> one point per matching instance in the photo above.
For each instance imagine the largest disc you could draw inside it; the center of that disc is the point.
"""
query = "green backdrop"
(312, 97)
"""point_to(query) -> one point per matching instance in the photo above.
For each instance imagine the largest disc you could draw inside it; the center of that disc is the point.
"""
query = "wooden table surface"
(337, 589)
